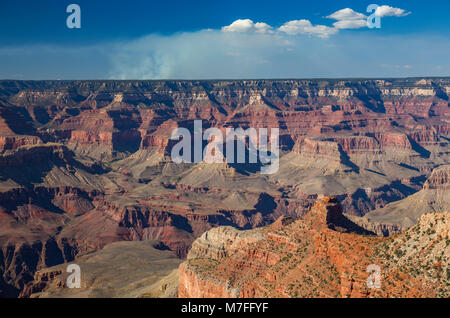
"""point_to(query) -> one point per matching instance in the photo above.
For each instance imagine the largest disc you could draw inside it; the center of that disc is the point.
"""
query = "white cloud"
(350, 24)
(347, 14)
(263, 27)
(241, 25)
(387, 11)
(348, 19)
(246, 26)
(292, 27)
(306, 27)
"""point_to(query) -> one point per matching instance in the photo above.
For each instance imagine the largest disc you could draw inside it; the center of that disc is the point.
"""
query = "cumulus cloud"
(350, 24)
(263, 27)
(306, 27)
(294, 27)
(349, 19)
(387, 11)
(346, 18)
(247, 25)
(346, 14)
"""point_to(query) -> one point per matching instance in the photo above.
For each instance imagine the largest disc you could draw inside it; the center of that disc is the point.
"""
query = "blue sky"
(138, 39)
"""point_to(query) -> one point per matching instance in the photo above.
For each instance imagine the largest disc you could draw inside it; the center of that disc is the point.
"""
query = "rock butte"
(323, 254)
(85, 164)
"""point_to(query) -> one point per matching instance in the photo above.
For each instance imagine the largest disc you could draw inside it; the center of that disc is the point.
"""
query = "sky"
(146, 39)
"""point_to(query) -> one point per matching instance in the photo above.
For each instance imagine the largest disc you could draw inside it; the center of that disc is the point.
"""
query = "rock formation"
(122, 269)
(323, 254)
(402, 214)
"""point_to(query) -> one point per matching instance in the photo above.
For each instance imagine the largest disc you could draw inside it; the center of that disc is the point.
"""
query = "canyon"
(85, 165)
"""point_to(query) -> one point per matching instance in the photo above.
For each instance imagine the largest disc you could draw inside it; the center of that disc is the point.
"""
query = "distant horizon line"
(227, 79)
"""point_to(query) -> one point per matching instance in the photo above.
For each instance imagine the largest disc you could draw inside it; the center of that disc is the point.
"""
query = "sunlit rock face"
(323, 254)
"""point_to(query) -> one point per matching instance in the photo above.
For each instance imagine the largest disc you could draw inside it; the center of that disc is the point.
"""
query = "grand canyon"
(86, 177)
